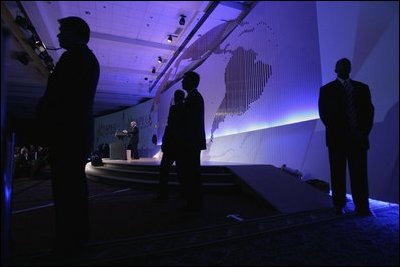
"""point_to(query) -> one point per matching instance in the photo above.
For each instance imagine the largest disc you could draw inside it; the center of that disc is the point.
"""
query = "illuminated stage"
(286, 193)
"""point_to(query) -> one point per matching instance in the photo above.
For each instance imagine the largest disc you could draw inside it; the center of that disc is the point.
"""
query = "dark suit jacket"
(332, 111)
(172, 128)
(66, 108)
(193, 134)
(134, 135)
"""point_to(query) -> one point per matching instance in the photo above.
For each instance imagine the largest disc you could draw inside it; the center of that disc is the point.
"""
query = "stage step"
(147, 176)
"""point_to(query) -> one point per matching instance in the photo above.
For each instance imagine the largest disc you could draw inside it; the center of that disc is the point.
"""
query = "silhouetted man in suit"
(346, 109)
(169, 142)
(190, 143)
(134, 141)
(66, 112)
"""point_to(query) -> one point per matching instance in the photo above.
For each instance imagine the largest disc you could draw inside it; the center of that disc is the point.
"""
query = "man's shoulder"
(331, 84)
(359, 84)
(84, 51)
(194, 96)
(198, 95)
(83, 56)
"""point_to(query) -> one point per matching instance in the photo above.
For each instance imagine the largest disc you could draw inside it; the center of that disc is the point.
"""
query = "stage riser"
(147, 177)
(172, 186)
(154, 176)
(156, 168)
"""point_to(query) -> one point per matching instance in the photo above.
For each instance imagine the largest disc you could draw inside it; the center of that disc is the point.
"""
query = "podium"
(118, 148)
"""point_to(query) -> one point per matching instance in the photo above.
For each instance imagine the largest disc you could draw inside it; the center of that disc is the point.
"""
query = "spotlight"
(159, 59)
(34, 41)
(153, 70)
(170, 36)
(182, 20)
(36, 44)
(41, 47)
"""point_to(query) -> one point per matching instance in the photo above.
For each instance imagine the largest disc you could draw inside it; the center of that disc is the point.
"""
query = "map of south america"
(245, 79)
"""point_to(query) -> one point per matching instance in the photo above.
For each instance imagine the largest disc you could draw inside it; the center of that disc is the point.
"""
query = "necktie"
(350, 108)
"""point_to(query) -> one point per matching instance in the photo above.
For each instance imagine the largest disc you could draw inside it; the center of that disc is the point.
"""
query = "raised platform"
(286, 193)
(144, 173)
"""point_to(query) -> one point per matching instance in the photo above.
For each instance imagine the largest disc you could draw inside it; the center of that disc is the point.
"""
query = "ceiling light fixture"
(159, 59)
(34, 41)
(182, 20)
(153, 70)
(170, 37)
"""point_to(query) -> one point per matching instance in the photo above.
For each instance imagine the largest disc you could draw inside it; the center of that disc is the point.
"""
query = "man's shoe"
(364, 212)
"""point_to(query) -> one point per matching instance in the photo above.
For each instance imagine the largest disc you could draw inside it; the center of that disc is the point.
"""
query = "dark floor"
(129, 227)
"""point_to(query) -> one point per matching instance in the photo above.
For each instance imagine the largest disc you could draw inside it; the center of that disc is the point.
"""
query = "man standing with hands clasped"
(347, 112)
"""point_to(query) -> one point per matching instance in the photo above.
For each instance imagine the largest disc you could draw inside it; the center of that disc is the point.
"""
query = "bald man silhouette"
(347, 112)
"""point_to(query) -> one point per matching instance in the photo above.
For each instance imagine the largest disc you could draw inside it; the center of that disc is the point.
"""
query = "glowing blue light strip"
(290, 119)
(373, 202)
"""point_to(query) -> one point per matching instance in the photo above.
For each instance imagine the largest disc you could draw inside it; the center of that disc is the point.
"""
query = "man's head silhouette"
(190, 81)
(73, 31)
(343, 68)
